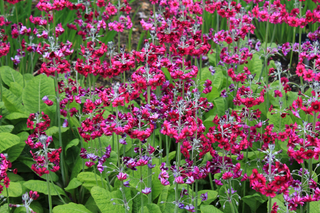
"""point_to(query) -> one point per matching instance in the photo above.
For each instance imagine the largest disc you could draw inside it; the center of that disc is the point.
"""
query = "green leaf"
(6, 128)
(275, 120)
(29, 162)
(163, 198)
(16, 89)
(11, 101)
(314, 207)
(213, 94)
(219, 106)
(55, 130)
(103, 200)
(166, 73)
(209, 209)
(151, 208)
(34, 91)
(16, 115)
(254, 201)
(212, 195)
(72, 143)
(281, 207)
(89, 180)
(71, 207)
(15, 190)
(15, 151)
(91, 205)
(8, 140)
(73, 184)
(255, 65)
(77, 166)
(9, 75)
(41, 187)
(156, 184)
(4, 208)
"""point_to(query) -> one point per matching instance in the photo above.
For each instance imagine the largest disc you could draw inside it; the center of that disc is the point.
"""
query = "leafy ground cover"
(194, 106)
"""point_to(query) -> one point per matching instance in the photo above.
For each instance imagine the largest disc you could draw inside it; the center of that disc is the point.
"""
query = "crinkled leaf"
(209, 209)
(151, 208)
(254, 201)
(6, 128)
(41, 187)
(73, 184)
(103, 200)
(16, 115)
(71, 207)
(212, 195)
(9, 75)
(8, 140)
(89, 180)
(55, 130)
(11, 101)
(34, 91)
(15, 151)
(15, 189)
(72, 143)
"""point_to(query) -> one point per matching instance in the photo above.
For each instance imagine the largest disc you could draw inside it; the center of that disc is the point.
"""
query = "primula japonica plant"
(216, 110)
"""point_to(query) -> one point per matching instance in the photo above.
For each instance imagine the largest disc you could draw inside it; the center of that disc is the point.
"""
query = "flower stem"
(269, 204)
(49, 193)
(59, 126)
(8, 200)
(294, 33)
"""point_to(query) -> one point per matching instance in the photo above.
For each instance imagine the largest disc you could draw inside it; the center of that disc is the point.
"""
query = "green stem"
(8, 200)
(294, 33)
(148, 145)
(49, 193)
(59, 126)
(269, 204)
(167, 150)
(56, 189)
(141, 180)
(176, 184)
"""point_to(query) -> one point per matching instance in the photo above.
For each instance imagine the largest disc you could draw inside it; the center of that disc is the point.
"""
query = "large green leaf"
(16, 89)
(55, 130)
(72, 143)
(6, 128)
(219, 106)
(89, 180)
(16, 115)
(11, 101)
(71, 207)
(103, 200)
(15, 190)
(151, 208)
(212, 195)
(209, 209)
(254, 201)
(41, 187)
(15, 151)
(255, 65)
(91, 205)
(73, 184)
(9, 75)
(8, 140)
(35, 90)
(279, 203)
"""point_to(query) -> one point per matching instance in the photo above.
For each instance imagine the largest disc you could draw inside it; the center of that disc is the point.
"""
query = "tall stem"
(269, 204)
(293, 41)
(8, 200)
(148, 145)
(59, 127)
